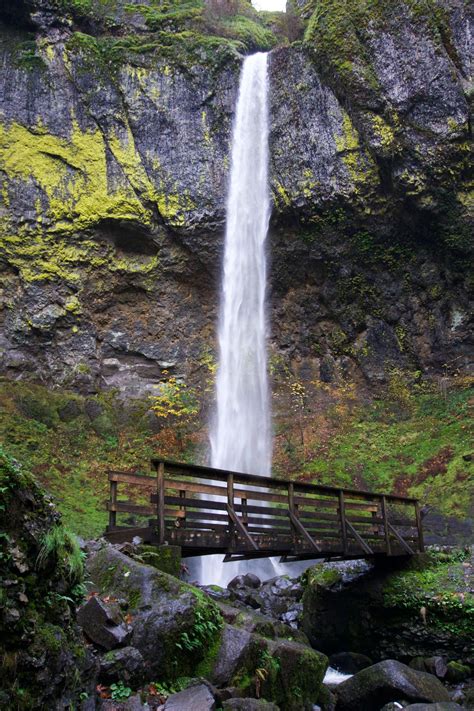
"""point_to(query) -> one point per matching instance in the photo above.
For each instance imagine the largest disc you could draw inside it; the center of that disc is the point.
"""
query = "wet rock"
(191, 699)
(249, 705)
(102, 624)
(300, 674)
(134, 703)
(437, 666)
(350, 662)
(441, 706)
(249, 580)
(237, 649)
(388, 681)
(260, 624)
(456, 672)
(163, 612)
(326, 699)
(124, 664)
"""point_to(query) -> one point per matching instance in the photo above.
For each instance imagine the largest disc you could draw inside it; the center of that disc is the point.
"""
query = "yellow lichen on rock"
(71, 172)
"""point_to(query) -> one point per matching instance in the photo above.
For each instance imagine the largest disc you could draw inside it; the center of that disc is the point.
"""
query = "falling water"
(241, 434)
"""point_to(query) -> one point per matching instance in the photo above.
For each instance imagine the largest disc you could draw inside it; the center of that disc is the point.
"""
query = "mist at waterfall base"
(241, 437)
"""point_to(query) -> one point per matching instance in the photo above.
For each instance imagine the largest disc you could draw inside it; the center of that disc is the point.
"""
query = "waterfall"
(241, 436)
(241, 433)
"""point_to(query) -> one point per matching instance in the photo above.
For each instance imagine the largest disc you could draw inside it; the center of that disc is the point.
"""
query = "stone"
(326, 699)
(70, 411)
(300, 674)
(456, 672)
(349, 662)
(237, 649)
(440, 706)
(193, 698)
(101, 624)
(133, 703)
(437, 666)
(249, 705)
(125, 664)
(388, 681)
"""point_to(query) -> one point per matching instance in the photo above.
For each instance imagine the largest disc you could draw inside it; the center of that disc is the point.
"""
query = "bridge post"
(230, 503)
(160, 490)
(113, 501)
(421, 543)
(291, 507)
(342, 514)
(385, 525)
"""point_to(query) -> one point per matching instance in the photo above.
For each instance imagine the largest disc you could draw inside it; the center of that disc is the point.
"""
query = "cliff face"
(114, 157)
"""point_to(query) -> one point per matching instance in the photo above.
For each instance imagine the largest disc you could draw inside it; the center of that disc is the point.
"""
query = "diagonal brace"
(365, 547)
(302, 530)
(236, 520)
(402, 542)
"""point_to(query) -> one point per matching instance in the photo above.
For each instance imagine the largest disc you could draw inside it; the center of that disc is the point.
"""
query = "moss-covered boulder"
(44, 662)
(175, 627)
(422, 607)
(388, 681)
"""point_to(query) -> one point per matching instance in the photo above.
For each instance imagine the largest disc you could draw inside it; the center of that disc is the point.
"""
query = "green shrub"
(60, 547)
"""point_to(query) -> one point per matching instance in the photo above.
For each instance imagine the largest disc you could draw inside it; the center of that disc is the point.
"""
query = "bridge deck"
(244, 516)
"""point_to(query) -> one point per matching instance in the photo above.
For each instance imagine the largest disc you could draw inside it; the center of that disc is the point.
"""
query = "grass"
(59, 546)
(420, 452)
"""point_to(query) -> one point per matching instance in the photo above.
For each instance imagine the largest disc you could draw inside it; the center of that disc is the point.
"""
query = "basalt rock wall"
(114, 159)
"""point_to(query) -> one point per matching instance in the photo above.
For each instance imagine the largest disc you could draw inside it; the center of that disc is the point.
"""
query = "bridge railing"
(246, 516)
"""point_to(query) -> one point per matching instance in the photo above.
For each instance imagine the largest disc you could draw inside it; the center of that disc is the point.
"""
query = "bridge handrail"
(222, 474)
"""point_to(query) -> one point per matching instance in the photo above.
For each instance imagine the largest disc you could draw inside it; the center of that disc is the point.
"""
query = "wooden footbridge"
(243, 516)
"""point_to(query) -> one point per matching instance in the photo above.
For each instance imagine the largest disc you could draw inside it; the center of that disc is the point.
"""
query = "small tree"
(176, 404)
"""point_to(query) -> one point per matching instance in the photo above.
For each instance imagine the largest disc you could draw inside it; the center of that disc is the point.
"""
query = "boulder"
(456, 672)
(436, 665)
(102, 624)
(326, 699)
(249, 705)
(441, 706)
(125, 664)
(349, 662)
(388, 681)
(254, 621)
(194, 698)
(163, 612)
(238, 650)
(295, 675)
(134, 703)
(249, 580)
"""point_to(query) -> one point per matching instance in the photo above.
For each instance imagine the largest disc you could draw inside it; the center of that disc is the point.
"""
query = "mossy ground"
(441, 584)
(410, 440)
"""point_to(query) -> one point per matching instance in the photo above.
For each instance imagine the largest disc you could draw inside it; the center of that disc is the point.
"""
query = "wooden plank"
(201, 488)
(264, 515)
(130, 507)
(122, 535)
(130, 478)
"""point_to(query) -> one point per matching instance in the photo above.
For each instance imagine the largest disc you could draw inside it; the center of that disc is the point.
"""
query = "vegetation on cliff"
(41, 570)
